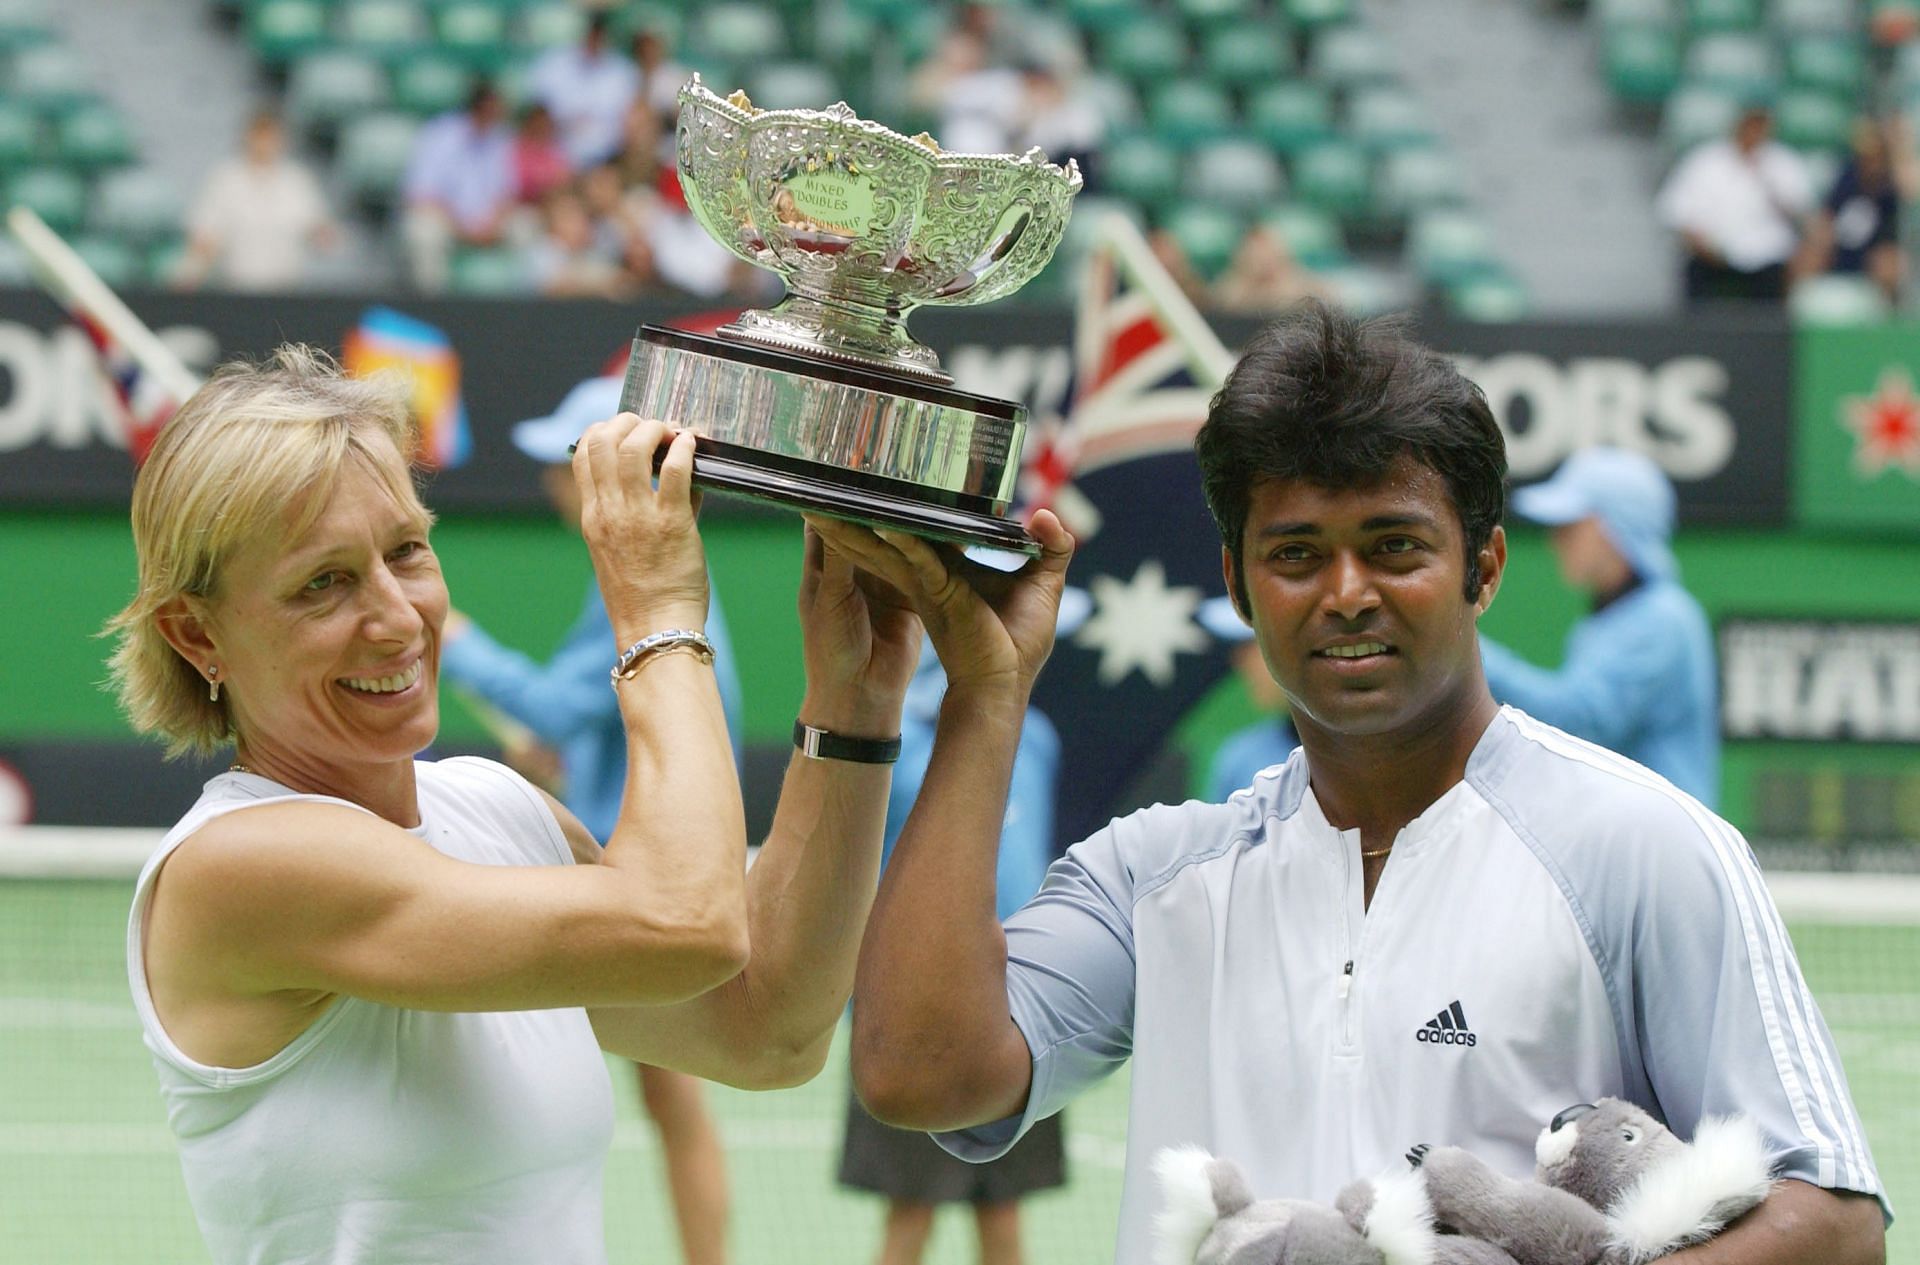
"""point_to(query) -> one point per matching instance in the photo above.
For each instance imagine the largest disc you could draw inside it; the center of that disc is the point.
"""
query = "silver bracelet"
(658, 643)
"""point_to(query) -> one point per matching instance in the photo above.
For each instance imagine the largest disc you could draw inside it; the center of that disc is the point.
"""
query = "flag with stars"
(1119, 469)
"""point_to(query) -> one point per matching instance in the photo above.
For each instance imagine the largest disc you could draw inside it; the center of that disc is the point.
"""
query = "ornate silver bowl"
(864, 224)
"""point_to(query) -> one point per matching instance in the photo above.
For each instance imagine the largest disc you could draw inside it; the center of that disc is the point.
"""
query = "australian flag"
(1119, 469)
(139, 400)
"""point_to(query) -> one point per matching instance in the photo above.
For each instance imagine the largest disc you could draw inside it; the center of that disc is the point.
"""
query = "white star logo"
(1141, 624)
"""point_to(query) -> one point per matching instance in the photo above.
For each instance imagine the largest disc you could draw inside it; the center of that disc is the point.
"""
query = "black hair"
(1334, 402)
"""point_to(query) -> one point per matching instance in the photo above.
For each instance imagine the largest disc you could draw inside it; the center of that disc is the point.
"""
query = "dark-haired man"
(1439, 921)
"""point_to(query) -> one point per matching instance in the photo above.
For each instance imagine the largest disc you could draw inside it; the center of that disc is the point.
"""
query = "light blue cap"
(1218, 617)
(546, 439)
(1626, 491)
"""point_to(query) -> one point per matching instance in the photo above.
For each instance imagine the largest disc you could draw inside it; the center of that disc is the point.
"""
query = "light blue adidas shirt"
(1594, 930)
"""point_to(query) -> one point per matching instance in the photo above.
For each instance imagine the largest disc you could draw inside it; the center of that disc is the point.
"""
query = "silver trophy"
(824, 401)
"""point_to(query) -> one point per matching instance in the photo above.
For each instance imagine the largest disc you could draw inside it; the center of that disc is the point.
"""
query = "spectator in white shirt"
(461, 185)
(587, 88)
(258, 218)
(1740, 206)
(661, 77)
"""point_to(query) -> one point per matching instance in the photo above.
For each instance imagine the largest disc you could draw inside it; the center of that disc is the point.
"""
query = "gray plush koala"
(1210, 1217)
(1613, 1186)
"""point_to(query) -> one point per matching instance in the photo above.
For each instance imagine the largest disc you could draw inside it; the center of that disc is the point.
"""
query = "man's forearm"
(930, 1001)
(1798, 1224)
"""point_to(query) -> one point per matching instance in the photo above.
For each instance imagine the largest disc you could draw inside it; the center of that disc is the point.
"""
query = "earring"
(213, 682)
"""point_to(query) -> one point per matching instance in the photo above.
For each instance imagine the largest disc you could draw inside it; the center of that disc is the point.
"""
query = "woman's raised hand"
(643, 537)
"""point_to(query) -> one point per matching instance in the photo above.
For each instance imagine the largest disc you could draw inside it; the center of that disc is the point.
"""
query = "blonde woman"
(376, 989)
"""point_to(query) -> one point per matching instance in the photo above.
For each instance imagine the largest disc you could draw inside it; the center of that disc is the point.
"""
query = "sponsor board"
(1859, 428)
(1819, 680)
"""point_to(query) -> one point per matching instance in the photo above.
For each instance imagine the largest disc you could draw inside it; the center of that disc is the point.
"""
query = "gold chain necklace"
(1377, 852)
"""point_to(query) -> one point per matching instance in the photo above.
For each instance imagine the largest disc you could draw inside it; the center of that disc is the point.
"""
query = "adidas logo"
(1449, 1027)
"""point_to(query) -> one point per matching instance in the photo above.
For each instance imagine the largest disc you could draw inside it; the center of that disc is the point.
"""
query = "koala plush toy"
(1613, 1186)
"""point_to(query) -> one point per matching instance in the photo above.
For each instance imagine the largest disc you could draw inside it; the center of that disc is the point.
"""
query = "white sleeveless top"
(388, 1135)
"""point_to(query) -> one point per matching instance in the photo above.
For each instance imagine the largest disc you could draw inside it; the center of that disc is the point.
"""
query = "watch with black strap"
(824, 744)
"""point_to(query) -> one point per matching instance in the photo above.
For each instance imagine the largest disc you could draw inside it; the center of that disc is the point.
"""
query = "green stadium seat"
(1618, 13)
(1291, 116)
(1838, 66)
(1336, 177)
(793, 85)
(547, 25)
(137, 204)
(114, 261)
(1707, 16)
(1188, 111)
(1448, 246)
(1807, 119)
(94, 136)
(1103, 15)
(1346, 56)
(738, 32)
(1491, 296)
(1412, 181)
(1385, 119)
(1313, 236)
(164, 260)
(1744, 65)
(1205, 15)
(1837, 300)
(372, 158)
(886, 10)
(432, 84)
(1238, 174)
(1695, 114)
(495, 271)
(669, 22)
(20, 136)
(51, 78)
(1642, 62)
(1114, 97)
(391, 30)
(1207, 235)
(1151, 47)
(24, 23)
(1141, 169)
(281, 30)
(475, 32)
(1364, 291)
(1317, 13)
(1246, 56)
(326, 88)
(1793, 18)
(56, 194)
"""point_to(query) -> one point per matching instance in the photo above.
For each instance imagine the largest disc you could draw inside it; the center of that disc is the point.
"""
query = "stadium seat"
(163, 260)
(1335, 177)
(1707, 16)
(1204, 15)
(1449, 246)
(431, 84)
(1696, 114)
(1102, 15)
(94, 136)
(496, 271)
(117, 263)
(1246, 56)
(1491, 296)
(1241, 175)
(1148, 48)
(1207, 235)
(1411, 181)
(57, 195)
(1837, 300)
(281, 30)
(793, 85)
(50, 78)
(19, 136)
(475, 32)
(1188, 111)
(24, 23)
(1115, 99)
(1365, 291)
(391, 30)
(373, 154)
(1291, 116)
(1317, 13)
(1618, 13)
(738, 32)
(1744, 65)
(1807, 119)
(1835, 65)
(1313, 237)
(1141, 169)
(138, 205)
(1345, 56)
(1793, 18)
(1642, 62)
(1385, 119)
(548, 23)
(328, 87)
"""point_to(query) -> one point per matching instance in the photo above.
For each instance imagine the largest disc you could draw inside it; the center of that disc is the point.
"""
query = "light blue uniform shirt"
(569, 704)
(1638, 679)
(1247, 751)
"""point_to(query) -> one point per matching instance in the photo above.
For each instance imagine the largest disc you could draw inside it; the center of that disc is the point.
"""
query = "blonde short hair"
(256, 451)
